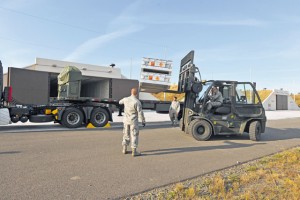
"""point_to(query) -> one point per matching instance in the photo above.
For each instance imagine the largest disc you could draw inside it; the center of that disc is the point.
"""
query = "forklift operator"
(215, 98)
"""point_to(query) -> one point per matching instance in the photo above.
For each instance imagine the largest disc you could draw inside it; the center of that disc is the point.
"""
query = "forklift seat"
(225, 108)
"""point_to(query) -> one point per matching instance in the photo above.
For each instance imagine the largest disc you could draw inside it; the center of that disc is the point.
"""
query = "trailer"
(68, 109)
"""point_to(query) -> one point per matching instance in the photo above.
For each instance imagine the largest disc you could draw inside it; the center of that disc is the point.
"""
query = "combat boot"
(135, 152)
(124, 150)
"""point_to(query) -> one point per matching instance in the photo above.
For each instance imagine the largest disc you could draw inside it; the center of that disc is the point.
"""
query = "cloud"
(24, 58)
(13, 3)
(120, 26)
(21, 4)
(245, 22)
(97, 42)
(125, 17)
(190, 21)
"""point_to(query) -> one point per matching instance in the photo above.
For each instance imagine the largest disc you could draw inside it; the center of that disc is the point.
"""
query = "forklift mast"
(188, 84)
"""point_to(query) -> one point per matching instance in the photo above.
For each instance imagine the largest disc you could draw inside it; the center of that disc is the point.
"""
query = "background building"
(280, 100)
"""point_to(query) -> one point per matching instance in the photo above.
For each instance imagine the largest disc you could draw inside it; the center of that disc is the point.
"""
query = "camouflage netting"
(69, 74)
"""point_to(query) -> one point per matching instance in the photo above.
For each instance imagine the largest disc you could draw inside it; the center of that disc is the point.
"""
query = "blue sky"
(233, 39)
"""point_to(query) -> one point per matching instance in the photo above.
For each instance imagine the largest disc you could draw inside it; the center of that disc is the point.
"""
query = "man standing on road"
(216, 99)
(132, 112)
(174, 110)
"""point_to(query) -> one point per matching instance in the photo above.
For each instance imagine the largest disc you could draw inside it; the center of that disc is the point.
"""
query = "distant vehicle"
(241, 111)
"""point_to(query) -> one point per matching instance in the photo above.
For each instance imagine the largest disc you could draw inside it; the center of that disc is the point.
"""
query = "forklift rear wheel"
(99, 117)
(200, 129)
(72, 118)
(255, 131)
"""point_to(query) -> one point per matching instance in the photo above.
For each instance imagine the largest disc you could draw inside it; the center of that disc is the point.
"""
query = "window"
(204, 90)
(245, 94)
(225, 92)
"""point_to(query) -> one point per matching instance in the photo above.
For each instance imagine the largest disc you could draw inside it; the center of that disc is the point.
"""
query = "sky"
(250, 40)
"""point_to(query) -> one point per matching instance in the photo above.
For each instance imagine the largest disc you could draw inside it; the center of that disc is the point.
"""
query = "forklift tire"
(99, 117)
(200, 129)
(72, 118)
(255, 131)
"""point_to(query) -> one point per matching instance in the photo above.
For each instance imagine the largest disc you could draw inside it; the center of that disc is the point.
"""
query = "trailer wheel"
(255, 131)
(200, 129)
(99, 117)
(72, 118)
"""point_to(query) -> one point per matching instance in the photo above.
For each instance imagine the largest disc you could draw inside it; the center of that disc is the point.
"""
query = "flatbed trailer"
(69, 113)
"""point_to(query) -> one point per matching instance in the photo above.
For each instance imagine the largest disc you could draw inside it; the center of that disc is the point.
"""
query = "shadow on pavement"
(9, 152)
(58, 127)
(228, 145)
(273, 134)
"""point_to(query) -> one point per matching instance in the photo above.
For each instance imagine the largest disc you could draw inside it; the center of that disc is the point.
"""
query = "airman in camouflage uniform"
(216, 99)
(174, 110)
(132, 113)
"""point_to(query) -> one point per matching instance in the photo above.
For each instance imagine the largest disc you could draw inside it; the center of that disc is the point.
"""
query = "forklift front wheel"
(200, 129)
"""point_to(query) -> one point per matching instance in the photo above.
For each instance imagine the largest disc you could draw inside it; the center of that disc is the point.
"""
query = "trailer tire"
(255, 131)
(200, 129)
(99, 117)
(72, 118)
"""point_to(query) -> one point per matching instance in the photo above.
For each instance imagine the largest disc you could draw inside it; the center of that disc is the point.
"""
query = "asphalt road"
(88, 164)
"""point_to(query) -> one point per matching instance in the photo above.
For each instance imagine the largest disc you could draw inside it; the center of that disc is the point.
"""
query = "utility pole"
(251, 74)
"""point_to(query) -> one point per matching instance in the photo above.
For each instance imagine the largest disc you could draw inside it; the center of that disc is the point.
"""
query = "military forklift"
(240, 112)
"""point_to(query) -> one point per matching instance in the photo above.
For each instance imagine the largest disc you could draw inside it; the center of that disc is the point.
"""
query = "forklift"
(240, 112)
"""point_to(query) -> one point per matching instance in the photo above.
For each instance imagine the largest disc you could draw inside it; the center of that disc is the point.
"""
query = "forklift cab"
(203, 97)
(235, 96)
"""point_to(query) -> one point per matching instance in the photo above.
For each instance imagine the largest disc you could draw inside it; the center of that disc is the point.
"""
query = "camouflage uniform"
(173, 111)
(216, 100)
(132, 112)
